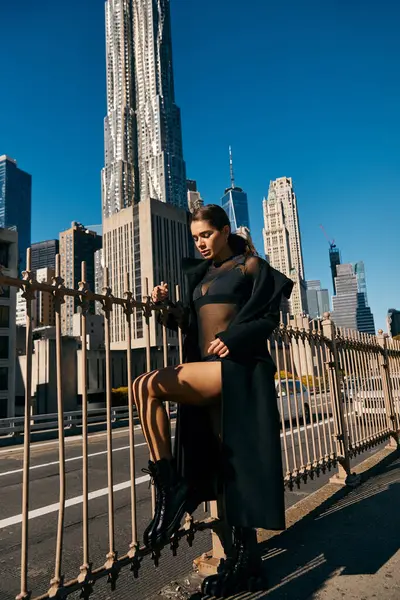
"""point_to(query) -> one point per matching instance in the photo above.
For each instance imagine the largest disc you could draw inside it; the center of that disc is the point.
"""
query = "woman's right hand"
(160, 292)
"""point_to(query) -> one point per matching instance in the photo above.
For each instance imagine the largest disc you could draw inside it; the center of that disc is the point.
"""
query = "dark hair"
(217, 217)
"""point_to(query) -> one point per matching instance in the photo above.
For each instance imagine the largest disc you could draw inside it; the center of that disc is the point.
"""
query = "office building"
(324, 304)
(43, 254)
(195, 201)
(9, 260)
(234, 202)
(282, 239)
(334, 261)
(77, 244)
(365, 318)
(144, 191)
(143, 137)
(42, 306)
(317, 299)
(160, 240)
(359, 271)
(312, 298)
(15, 204)
(393, 322)
(345, 302)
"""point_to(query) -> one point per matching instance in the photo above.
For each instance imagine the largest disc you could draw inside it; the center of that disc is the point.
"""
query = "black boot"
(173, 500)
(240, 572)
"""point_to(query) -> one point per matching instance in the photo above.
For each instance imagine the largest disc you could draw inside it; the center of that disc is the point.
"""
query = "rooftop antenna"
(231, 168)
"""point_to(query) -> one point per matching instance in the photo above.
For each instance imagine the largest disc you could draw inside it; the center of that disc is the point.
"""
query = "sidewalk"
(349, 549)
(348, 546)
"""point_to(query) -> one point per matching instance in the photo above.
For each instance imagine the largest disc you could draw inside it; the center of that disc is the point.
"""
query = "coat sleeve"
(176, 316)
(261, 314)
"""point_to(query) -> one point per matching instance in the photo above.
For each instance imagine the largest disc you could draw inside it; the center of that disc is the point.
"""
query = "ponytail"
(241, 244)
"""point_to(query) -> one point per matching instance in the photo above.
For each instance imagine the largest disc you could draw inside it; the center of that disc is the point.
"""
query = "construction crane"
(330, 242)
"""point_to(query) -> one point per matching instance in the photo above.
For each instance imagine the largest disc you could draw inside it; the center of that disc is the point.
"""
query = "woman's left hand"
(218, 347)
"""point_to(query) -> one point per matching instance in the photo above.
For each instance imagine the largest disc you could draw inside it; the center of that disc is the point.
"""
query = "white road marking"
(45, 510)
(68, 440)
(55, 462)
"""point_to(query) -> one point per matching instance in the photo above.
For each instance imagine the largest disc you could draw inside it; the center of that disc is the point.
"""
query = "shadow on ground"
(355, 534)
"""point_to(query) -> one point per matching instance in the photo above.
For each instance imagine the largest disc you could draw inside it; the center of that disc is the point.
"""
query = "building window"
(4, 316)
(3, 408)
(3, 379)
(3, 347)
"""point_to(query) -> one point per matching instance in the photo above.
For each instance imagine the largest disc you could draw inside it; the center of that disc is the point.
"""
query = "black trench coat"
(246, 463)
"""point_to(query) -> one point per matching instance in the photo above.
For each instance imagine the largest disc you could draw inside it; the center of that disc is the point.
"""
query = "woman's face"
(208, 240)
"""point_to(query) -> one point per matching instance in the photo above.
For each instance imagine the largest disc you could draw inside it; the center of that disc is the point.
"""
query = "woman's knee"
(137, 387)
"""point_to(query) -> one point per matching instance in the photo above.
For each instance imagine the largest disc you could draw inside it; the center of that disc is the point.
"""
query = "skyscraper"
(365, 318)
(195, 201)
(143, 137)
(43, 254)
(77, 244)
(144, 164)
(393, 322)
(317, 299)
(234, 202)
(282, 239)
(15, 204)
(345, 301)
(334, 261)
(359, 271)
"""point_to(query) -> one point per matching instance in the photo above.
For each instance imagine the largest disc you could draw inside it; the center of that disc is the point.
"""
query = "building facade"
(195, 201)
(43, 254)
(77, 244)
(144, 190)
(143, 137)
(15, 204)
(317, 299)
(282, 239)
(359, 271)
(345, 301)
(9, 258)
(334, 261)
(393, 322)
(365, 318)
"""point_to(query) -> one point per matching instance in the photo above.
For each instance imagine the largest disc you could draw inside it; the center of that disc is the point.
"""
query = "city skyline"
(332, 179)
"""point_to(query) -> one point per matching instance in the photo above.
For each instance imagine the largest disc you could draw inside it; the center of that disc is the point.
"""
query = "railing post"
(387, 390)
(341, 435)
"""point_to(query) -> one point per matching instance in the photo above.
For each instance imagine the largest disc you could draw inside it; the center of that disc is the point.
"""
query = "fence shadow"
(356, 534)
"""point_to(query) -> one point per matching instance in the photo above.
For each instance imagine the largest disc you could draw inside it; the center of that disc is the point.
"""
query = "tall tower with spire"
(234, 202)
(144, 196)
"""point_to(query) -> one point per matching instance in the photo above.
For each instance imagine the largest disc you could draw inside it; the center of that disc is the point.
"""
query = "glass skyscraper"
(15, 204)
(334, 261)
(234, 203)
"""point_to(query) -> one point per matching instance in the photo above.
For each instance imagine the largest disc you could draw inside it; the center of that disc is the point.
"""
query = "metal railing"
(14, 426)
(338, 394)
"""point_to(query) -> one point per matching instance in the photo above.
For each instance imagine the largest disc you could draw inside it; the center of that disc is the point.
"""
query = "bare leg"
(198, 384)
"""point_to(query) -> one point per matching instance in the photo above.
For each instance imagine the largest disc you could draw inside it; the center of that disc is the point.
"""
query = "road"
(44, 490)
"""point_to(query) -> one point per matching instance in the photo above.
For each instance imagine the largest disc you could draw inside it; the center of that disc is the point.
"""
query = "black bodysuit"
(217, 299)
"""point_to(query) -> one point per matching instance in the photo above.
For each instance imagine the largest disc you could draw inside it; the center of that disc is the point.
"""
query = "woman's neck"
(225, 253)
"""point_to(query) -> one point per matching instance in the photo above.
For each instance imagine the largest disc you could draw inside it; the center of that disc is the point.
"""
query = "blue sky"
(304, 89)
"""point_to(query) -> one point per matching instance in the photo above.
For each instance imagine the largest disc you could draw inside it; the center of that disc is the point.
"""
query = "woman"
(227, 441)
